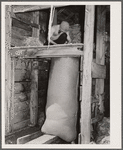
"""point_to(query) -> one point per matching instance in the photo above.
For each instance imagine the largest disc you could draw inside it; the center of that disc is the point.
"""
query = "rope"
(50, 22)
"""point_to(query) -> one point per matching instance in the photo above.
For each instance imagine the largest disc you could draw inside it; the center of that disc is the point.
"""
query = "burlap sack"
(61, 107)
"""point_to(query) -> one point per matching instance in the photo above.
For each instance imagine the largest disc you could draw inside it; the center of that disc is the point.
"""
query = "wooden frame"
(88, 69)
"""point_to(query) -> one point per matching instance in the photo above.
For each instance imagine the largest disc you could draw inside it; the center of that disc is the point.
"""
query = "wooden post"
(87, 80)
(8, 100)
(34, 81)
(55, 18)
(100, 49)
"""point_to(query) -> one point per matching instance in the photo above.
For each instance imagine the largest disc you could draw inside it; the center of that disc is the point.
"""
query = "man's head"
(64, 26)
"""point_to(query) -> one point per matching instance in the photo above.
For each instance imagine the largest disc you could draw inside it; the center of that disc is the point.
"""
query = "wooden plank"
(25, 22)
(12, 138)
(7, 70)
(35, 31)
(29, 137)
(21, 115)
(34, 94)
(55, 18)
(50, 47)
(34, 77)
(21, 25)
(28, 8)
(98, 71)
(19, 106)
(12, 111)
(21, 32)
(21, 125)
(47, 53)
(86, 88)
(100, 47)
(81, 63)
(42, 139)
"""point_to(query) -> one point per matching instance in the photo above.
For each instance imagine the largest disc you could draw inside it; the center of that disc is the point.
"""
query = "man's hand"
(55, 37)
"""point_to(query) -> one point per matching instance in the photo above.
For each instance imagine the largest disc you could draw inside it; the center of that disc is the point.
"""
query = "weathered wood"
(35, 31)
(50, 47)
(21, 125)
(21, 25)
(81, 63)
(98, 71)
(12, 137)
(86, 88)
(100, 47)
(21, 32)
(25, 22)
(34, 94)
(34, 77)
(12, 111)
(47, 53)
(29, 137)
(8, 70)
(20, 116)
(21, 106)
(21, 97)
(42, 139)
(28, 8)
(55, 18)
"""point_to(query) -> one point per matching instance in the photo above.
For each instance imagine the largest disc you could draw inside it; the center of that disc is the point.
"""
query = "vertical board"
(55, 18)
(34, 76)
(34, 94)
(86, 88)
(7, 69)
(100, 48)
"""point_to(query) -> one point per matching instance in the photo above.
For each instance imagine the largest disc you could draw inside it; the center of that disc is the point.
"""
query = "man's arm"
(68, 37)
(55, 36)
(52, 42)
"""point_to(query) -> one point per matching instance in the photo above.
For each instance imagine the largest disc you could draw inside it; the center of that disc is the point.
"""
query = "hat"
(64, 26)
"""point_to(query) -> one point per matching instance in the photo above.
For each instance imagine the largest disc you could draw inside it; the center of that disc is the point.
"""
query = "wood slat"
(34, 94)
(8, 83)
(98, 71)
(87, 81)
(50, 47)
(100, 48)
(25, 22)
(34, 77)
(29, 137)
(21, 25)
(47, 53)
(21, 125)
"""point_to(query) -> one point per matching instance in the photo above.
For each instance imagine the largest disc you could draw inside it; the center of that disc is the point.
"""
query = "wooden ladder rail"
(87, 79)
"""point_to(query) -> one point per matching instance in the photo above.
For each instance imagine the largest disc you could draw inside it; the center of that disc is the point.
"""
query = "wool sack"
(61, 107)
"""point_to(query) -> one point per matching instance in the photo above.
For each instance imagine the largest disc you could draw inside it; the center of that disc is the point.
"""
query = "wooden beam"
(21, 25)
(49, 53)
(28, 8)
(100, 48)
(46, 51)
(19, 125)
(29, 137)
(15, 18)
(8, 74)
(34, 79)
(42, 139)
(87, 80)
(55, 18)
(44, 47)
(98, 71)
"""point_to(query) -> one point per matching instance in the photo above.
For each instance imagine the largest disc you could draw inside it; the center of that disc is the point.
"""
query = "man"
(60, 34)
